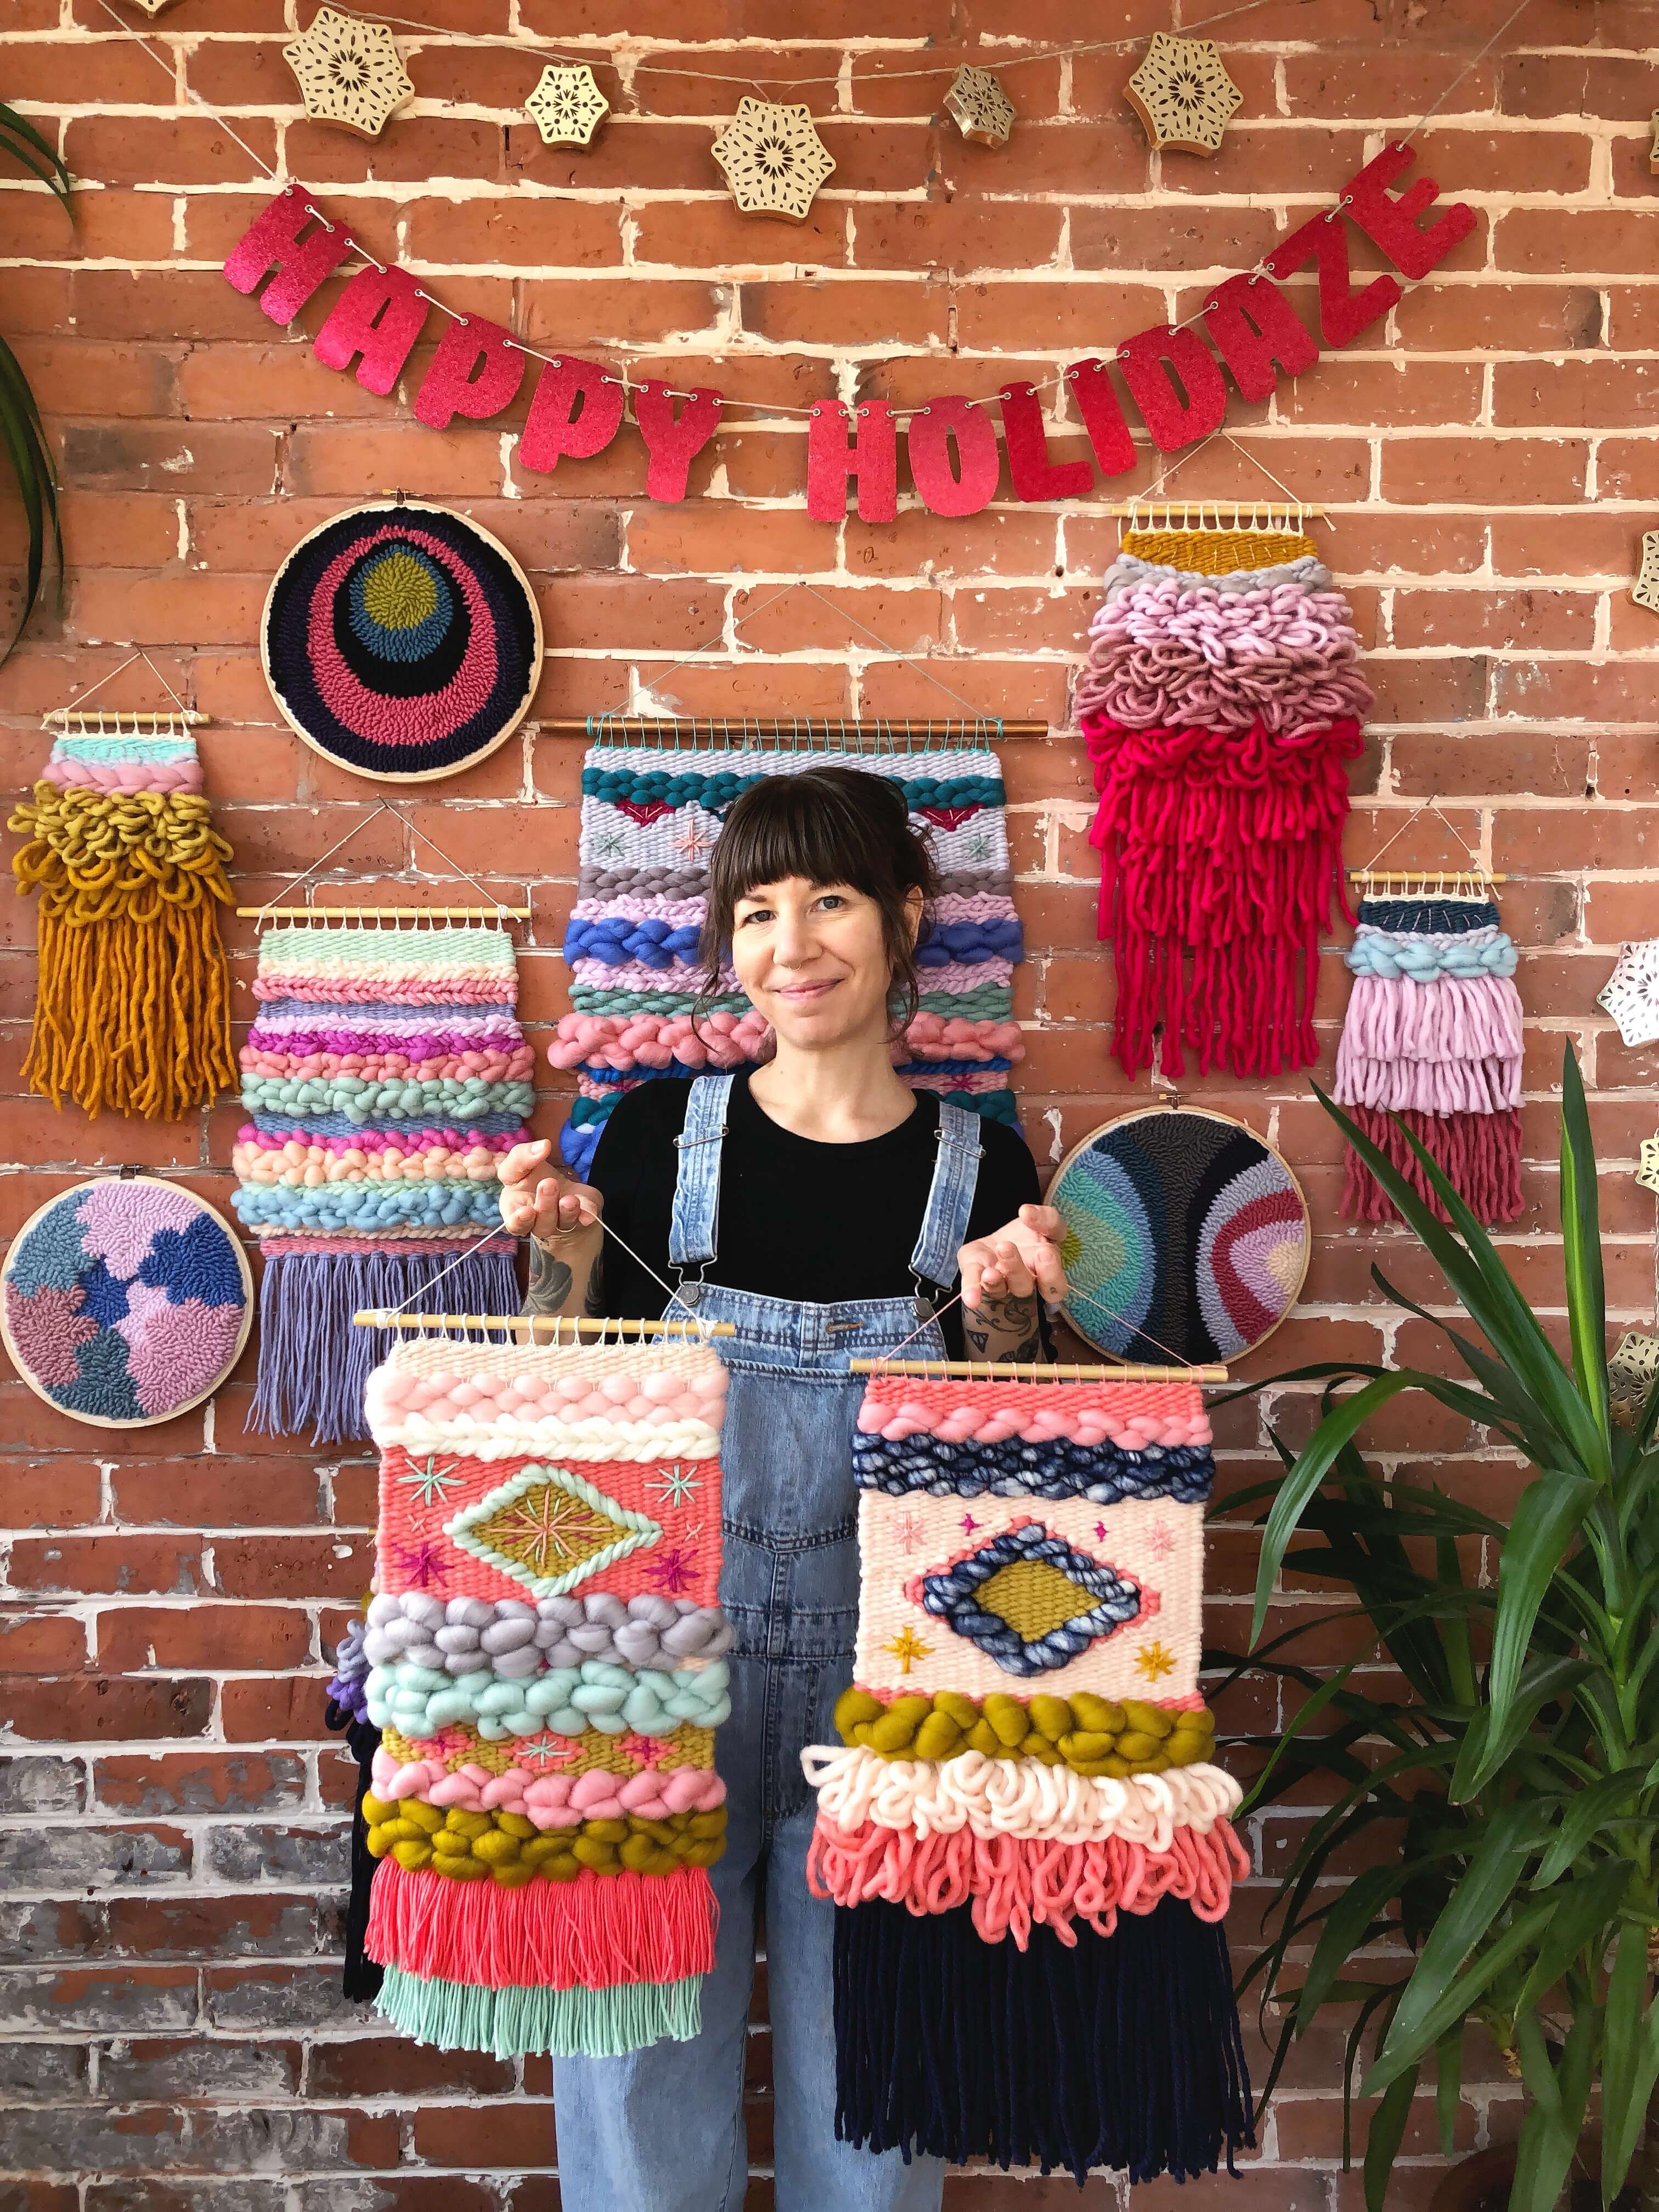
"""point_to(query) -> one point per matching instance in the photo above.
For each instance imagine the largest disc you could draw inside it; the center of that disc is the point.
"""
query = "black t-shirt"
(798, 1219)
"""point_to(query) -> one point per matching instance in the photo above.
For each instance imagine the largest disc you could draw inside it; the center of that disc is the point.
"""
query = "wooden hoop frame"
(147, 1420)
(389, 505)
(1177, 1105)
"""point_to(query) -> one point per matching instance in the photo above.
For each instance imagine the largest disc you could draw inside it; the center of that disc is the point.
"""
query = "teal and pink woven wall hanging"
(125, 1302)
(545, 1660)
(650, 818)
(384, 1078)
(401, 642)
(1026, 1835)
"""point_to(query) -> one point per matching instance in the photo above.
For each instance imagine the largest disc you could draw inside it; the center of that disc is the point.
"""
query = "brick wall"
(175, 1846)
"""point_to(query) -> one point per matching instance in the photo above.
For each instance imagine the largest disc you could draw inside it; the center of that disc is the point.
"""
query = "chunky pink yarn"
(625, 1041)
(1480, 1154)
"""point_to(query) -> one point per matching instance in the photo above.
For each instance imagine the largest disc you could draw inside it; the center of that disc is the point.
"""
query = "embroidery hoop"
(106, 1420)
(388, 504)
(1172, 1103)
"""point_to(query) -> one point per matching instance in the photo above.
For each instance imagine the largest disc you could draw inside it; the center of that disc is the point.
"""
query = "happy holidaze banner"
(1174, 380)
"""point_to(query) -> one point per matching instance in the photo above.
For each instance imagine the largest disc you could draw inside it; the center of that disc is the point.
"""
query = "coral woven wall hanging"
(546, 1650)
(1023, 1830)
(1432, 1040)
(133, 1005)
(1186, 1236)
(1221, 705)
(401, 642)
(650, 819)
(125, 1302)
(384, 1077)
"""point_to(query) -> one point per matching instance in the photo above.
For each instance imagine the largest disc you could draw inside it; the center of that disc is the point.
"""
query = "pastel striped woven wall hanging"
(544, 1652)
(125, 1302)
(1221, 705)
(1431, 1044)
(384, 1078)
(1187, 1235)
(1022, 1829)
(650, 818)
(401, 642)
(132, 1004)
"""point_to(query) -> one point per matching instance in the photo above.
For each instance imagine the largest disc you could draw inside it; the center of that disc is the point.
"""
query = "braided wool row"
(1393, 953)
(557, 1801)
(458, 1637)
(124, 765)
(1133, 1417)
(1132, 573)
(311, 1167)
(1056, 1467)
(596, 886)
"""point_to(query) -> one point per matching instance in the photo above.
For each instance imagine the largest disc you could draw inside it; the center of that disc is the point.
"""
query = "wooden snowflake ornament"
(983, 110)
(1653, 146)
(1183, 95)
(1632, 1373)
(775, 160)
(1645, 590)
(152, 7)
(349, 73)
(566, 106)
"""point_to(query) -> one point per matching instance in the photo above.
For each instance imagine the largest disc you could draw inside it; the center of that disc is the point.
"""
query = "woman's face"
(811, 958)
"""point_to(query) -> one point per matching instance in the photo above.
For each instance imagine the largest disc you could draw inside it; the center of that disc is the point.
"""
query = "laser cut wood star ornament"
(1183, 95)
(983, 110)
(566, 106)
(1645, 590)
(775, 160)
(349, 73)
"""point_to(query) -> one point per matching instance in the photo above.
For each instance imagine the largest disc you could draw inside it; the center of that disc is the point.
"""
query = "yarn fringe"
(132, 1009)
(313, 1365)
(1449, 1018)
(1121, 2050)
(1480, 1154)
(1221, 864)
(597, 1933)
(1012, 1883)
(517, 2023)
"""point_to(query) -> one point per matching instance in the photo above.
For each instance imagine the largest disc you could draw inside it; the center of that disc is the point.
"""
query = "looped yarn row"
(1015, 1797)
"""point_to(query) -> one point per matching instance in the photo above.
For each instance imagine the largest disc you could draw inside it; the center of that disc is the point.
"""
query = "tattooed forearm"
(550, 1281)
(1005, 1327)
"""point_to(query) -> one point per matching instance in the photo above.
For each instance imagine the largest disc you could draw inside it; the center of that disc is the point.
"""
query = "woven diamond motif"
(550, 1529)
(1027, 1599)
(1630, 993)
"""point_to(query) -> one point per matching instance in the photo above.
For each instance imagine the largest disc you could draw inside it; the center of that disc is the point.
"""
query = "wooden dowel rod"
(382, 913)
(62, 717)
(1021, 1370)
(812, 729)
(1254, 508)
(386, 1317)
(1424, 875)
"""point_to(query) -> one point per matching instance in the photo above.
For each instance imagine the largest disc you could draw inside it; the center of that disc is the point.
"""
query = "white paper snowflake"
(1181, 91)
(349, 73)
(566, 106)
(1645, 590)
(1630, 993)
(775, 160)
(1630, 1373)
(983, 110)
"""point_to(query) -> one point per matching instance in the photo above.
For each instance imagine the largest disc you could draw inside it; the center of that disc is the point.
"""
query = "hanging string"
(381, 805)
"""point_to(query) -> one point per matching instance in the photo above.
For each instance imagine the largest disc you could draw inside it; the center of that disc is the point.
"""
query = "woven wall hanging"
(133, 1005)
(126, 1301)
(545, 1651)
(1221, 705)
(1021, 1828)
(650, 818)
(1186, 1236)
(1431, 1040)
(401, 642)
(384, 1077)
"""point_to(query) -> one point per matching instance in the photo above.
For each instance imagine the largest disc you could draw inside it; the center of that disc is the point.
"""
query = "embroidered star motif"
(1160, 1541)
(544, 1751)
(430, 1486)
(906, 1646)
(693, 843)
(907, 1532)
(978, 849)
(968, 1524)
(674, 1486)
(1100, 1532)
(608, 846)
(420, 1565)
(647, 1749)
(1154, 1662)
(675, 1570)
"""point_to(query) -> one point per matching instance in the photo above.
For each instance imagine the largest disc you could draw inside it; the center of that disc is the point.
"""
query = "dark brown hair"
(828, 825)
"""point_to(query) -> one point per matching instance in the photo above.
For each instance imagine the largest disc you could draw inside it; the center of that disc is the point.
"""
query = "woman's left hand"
(1019, 1259)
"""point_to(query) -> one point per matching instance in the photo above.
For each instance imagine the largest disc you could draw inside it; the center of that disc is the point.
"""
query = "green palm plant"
(1520, 1768)
(22, 435)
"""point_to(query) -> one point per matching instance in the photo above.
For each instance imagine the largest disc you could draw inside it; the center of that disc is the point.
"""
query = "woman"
(825, 1210)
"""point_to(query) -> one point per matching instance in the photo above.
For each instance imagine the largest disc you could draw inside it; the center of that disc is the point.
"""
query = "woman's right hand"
(544, 1206)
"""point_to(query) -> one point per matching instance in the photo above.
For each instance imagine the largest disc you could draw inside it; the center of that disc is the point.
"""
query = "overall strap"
(950, 1197)
(692, 1225)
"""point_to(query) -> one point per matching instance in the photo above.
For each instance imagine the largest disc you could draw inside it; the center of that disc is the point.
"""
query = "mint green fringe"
(518, 2022)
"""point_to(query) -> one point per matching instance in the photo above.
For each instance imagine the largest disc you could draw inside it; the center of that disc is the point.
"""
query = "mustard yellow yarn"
(512, 1851)
(1091, 1735)
(1216, 552)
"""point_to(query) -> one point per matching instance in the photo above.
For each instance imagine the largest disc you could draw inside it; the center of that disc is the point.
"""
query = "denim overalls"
(663, 2131)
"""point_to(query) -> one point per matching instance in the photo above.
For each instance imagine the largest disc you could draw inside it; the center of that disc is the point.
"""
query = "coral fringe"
(1014, 1881)
(1480, 1154)
(1221, 862)
(593, 1933)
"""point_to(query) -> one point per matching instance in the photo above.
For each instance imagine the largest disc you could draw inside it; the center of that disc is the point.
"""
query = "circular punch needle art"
(124, 1301)
(1186, 1235)
(401, 642)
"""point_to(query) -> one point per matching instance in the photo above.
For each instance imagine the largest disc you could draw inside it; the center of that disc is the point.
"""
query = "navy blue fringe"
(1123, 2052)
